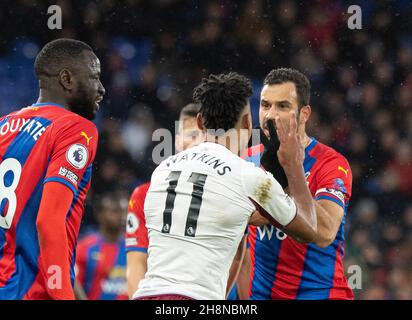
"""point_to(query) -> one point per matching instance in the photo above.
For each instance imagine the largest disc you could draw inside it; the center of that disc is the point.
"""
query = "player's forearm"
(134, 276)
(329, 219)
(299, 191)
(327, 227)
(133, 279)
(136, 270)
(325, 224)
(233, 274)
(243, 280)
(236, 264)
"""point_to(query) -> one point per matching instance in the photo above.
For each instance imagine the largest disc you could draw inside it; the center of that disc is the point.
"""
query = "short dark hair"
(191, 110)
(222, 98)
(58, 54)
(302, 84)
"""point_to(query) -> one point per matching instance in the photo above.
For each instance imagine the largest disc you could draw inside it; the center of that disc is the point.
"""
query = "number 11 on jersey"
(198, 181)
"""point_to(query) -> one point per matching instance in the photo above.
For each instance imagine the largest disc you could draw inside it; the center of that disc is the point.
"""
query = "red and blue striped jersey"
(40, 143)
(101, 268)
(282, 268)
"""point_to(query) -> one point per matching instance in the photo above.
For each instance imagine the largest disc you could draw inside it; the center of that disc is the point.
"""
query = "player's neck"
(305, 139)
(47, 97)
(224, 141)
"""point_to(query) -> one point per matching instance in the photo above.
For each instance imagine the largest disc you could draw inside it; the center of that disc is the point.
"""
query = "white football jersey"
(197, 210)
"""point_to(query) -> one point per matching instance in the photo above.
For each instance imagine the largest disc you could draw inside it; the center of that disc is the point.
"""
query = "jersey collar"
(311, 145)
(309, 161)
(48, 104)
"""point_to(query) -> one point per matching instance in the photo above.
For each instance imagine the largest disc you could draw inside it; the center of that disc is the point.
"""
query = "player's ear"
(246, 121)
(66, 79)
(199, 122)
(304, 114)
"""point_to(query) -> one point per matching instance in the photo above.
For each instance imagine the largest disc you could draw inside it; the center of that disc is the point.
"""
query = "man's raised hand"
(291, 151)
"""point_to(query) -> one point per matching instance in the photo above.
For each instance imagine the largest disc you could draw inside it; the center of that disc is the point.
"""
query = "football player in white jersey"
(201, 200)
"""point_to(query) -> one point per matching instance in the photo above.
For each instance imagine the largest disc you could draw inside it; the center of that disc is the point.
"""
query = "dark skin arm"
(329, 215)
(243, 280)
(236, 264)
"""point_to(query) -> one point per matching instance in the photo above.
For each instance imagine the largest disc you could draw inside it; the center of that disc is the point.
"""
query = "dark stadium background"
(154, 52)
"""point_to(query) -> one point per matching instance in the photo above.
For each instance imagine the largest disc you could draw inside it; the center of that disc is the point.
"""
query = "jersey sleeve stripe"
(331, 198)
(72, 268)
(131, 249)
(62, 181)
(83, 184)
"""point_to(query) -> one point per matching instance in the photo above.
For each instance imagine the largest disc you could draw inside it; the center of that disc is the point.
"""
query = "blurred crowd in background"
(153, 53)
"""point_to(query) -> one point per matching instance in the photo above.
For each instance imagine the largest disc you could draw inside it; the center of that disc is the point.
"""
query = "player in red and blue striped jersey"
(281, 267)
(46, 155)
(101, 256)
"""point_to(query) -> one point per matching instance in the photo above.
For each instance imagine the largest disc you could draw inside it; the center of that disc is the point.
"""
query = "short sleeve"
(74, 143)
(334, 181)
(136, 232)
(267, 195)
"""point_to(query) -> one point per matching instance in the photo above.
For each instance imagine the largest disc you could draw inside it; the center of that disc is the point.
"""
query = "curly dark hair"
(222, 98)
(282, 75)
